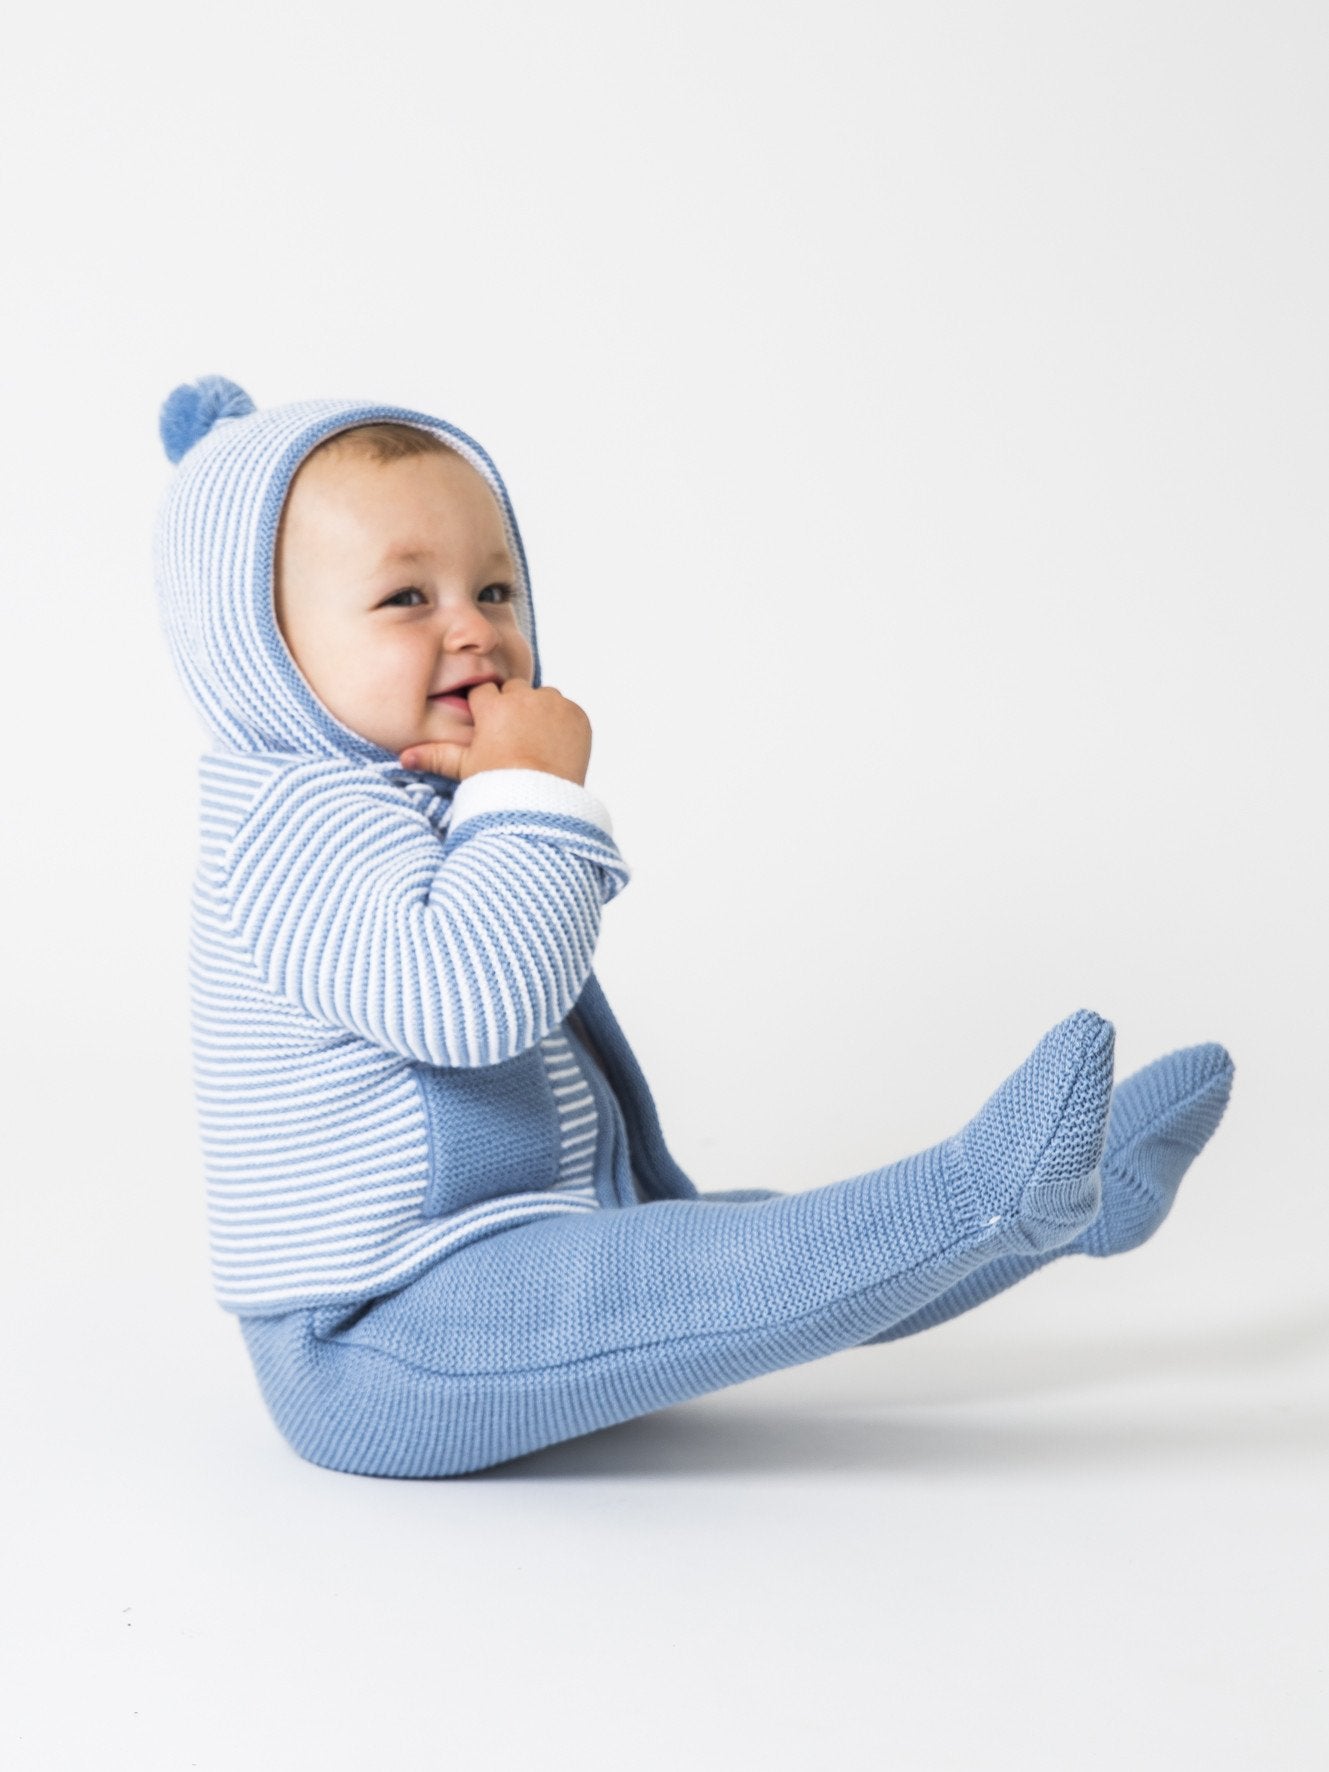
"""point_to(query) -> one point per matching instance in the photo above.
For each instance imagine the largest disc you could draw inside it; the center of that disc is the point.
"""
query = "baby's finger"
(434, 758)
(483, 694)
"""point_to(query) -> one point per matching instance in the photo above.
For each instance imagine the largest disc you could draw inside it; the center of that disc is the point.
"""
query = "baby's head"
(394, 580)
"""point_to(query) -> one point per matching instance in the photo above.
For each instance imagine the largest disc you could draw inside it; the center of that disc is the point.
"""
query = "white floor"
(1083, 1527)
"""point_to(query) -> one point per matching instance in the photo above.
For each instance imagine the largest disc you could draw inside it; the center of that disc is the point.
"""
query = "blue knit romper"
(440, 1203)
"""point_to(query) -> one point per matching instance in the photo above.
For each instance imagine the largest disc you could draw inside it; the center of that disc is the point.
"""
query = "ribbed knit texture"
(577, 1116)
(552, 1330)
(1161, 1118)
(338, 947)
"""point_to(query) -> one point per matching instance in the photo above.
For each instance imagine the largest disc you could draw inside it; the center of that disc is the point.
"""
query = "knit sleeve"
(462, 950)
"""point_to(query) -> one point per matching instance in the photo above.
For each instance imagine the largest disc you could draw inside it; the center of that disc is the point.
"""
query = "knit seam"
(1027, 1180)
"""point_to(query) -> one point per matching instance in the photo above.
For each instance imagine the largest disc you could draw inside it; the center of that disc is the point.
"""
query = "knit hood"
(214, 552)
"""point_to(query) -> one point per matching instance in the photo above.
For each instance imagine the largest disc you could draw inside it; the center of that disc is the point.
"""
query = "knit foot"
(1159, 1121)
(1026, 1164)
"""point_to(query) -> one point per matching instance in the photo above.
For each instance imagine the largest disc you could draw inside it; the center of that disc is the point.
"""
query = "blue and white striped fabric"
(360, 932)
(337, 947)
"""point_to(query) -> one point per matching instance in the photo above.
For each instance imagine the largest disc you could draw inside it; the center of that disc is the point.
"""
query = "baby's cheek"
(401, 680)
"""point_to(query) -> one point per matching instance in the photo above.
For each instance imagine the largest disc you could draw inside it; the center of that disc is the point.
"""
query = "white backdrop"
(915, 415)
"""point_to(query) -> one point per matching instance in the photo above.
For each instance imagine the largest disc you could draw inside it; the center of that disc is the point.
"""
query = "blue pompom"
(190, 411)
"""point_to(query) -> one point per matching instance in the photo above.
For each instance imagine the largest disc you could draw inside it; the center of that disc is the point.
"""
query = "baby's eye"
(505, 595)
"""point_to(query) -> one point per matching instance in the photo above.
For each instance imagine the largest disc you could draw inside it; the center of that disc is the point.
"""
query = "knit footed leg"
(1159, 1121)
(560, 1326)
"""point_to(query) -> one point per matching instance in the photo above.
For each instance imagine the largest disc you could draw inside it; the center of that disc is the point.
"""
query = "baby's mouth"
(455, 703)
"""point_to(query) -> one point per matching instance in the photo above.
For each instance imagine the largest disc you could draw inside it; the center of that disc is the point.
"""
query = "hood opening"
(214, 564)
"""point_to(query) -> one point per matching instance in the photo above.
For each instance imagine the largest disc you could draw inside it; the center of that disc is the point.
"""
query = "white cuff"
(527, 790)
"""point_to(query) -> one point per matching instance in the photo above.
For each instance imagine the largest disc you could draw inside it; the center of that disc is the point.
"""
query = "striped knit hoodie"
(399, 1042)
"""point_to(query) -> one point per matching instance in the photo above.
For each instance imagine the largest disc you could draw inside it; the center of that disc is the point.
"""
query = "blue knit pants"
(558, 1326)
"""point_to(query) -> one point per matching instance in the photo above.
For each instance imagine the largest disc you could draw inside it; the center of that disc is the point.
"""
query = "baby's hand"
(516, 727)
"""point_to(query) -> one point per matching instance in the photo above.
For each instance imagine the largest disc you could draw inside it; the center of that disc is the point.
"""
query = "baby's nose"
(467, 624)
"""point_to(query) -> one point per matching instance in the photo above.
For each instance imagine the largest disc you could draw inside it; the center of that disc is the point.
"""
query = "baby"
(439, 1199)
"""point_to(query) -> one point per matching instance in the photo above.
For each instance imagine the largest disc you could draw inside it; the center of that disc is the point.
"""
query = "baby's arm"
(462, 951)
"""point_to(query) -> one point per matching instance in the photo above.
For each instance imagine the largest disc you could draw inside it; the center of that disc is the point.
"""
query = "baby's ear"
(189, 412)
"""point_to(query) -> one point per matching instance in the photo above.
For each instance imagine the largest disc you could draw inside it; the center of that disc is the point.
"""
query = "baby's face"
(394, 581)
